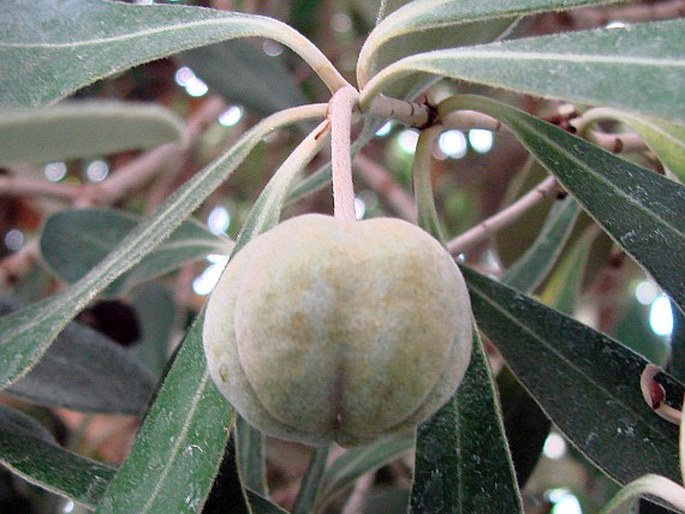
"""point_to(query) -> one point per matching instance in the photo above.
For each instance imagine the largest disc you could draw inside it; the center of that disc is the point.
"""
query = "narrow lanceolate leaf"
(83, 129)
(355, 462)
(180, 444)
(532, 267)
(665, 139)
(93, 233)
(564, 287)
(639, 69)
(641, 210)
(462, 456)
(85, 371)
(50, 49)
(425, 25)
(26, 335)
(28, 451)
(266, 211)
(587, 383)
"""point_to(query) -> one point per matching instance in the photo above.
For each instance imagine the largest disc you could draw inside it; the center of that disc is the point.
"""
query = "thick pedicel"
(326, 330)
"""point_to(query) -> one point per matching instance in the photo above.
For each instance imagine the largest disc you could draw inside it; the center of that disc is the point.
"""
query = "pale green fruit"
(326, 330)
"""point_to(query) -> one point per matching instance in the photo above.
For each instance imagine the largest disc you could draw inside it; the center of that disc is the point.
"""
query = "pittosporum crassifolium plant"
(452, 236)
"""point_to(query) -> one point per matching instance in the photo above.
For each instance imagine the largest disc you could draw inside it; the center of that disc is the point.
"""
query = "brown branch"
(20, 186)
(503, 218)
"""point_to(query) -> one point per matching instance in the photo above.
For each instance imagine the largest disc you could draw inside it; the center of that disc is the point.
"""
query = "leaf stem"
(426, 214)
(341, 106)
(503, 218)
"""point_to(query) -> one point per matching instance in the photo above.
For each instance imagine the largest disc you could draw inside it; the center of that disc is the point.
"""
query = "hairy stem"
(342, 105)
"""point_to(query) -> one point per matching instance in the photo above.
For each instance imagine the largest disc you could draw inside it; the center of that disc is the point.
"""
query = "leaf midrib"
(120, 38)
(175, 449)
(517, 54)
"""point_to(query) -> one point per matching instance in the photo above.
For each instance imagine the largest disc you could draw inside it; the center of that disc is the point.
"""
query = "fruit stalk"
(341, 107)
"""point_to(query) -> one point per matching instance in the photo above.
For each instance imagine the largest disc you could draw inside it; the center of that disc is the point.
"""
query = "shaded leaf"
(261, 505)
(242, 73)
(564, 287)
(641, 210)
(639, 68)
(83, 129)
(532, 267)
(587, 383)
(73, 242)
(678, 346)
(526, 425)
(311, 482)
(156, 311)
(26, 335)
(26, 449)
(84, 370)
(227, 493)
(14, 420)
(462, 456)
(180, 444)
(50, 49)
(427, 25)
(355, 462)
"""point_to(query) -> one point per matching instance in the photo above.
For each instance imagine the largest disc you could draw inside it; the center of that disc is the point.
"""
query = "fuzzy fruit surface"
(324, 330)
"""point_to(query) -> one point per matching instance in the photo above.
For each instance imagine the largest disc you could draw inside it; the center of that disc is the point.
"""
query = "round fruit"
(324, 330)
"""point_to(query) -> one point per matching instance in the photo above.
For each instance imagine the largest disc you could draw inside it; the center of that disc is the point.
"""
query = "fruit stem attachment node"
(343, 103)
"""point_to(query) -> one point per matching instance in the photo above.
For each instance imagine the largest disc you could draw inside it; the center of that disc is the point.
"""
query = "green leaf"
(587, 383)
(50, 49)
(564, 287)
(83, 129)
(243, 74)
(532, 267)
(73, 242)
(27, 450)
(639, 68)
(180, 444)
(356, 462)
(157, 313)
(462, 456)
(250, 456)
(426, 25)
(641, 210)
(261, 505)
(665, 139)
(84, 370)
(26, 335)
(311, 482)
(266, 211)
(427, 215)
